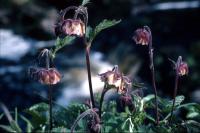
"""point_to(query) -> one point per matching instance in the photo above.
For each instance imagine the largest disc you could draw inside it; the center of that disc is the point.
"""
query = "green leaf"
(29, 125)
(178, 101)
(60, 130)
(69, 114)
(189, 105)
(38, 113)
(1, 116)
(7, 128)
(39, 107)
(192, 126)
(103, 25)
(60, 43)
(15, 126)
(192, 115)
(149, 117)
(167, 105)
(16, 115)
(85, 2)
(148, 98)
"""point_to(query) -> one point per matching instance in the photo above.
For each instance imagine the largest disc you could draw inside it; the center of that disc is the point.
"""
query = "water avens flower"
(116, 79)
(142, 36)
(45, 76)
(71, 27)
(182, 69)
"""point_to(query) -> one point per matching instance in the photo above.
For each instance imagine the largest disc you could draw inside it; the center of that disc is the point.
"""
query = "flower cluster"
(116, 79)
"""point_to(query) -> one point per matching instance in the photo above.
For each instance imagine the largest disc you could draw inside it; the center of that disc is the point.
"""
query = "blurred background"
(27, 27)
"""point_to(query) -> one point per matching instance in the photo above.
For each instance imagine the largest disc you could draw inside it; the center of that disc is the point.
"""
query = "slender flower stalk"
(50, 94)
(77, 26)
(87, 57)
(174, 96)
(151, 65)
(143, 36)
(83, 10)
(50, 109)
(48, 76)
(181, 70)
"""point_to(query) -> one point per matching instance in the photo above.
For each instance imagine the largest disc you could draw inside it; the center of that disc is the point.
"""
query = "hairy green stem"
(174, 96)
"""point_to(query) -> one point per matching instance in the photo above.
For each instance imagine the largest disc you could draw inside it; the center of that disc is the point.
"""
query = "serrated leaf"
(103, 25)
(61, 42)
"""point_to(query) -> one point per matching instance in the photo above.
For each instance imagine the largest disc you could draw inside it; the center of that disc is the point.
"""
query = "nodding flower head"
(181, 67)
(142, 36)
(116, 79)
(45, 74)
(72, 26)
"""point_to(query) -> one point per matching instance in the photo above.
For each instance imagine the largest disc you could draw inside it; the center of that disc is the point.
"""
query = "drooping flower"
(142, 36)
(116, 79)
(45, 76)
(181, 67)
(70, 27)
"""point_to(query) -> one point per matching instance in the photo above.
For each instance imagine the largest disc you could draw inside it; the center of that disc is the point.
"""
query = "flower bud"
(142, 36)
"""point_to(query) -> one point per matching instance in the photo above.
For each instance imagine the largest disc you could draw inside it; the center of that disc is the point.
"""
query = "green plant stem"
(50, 109)
(174, 96)
(153, 75)
(101, 99)
(87, 55)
